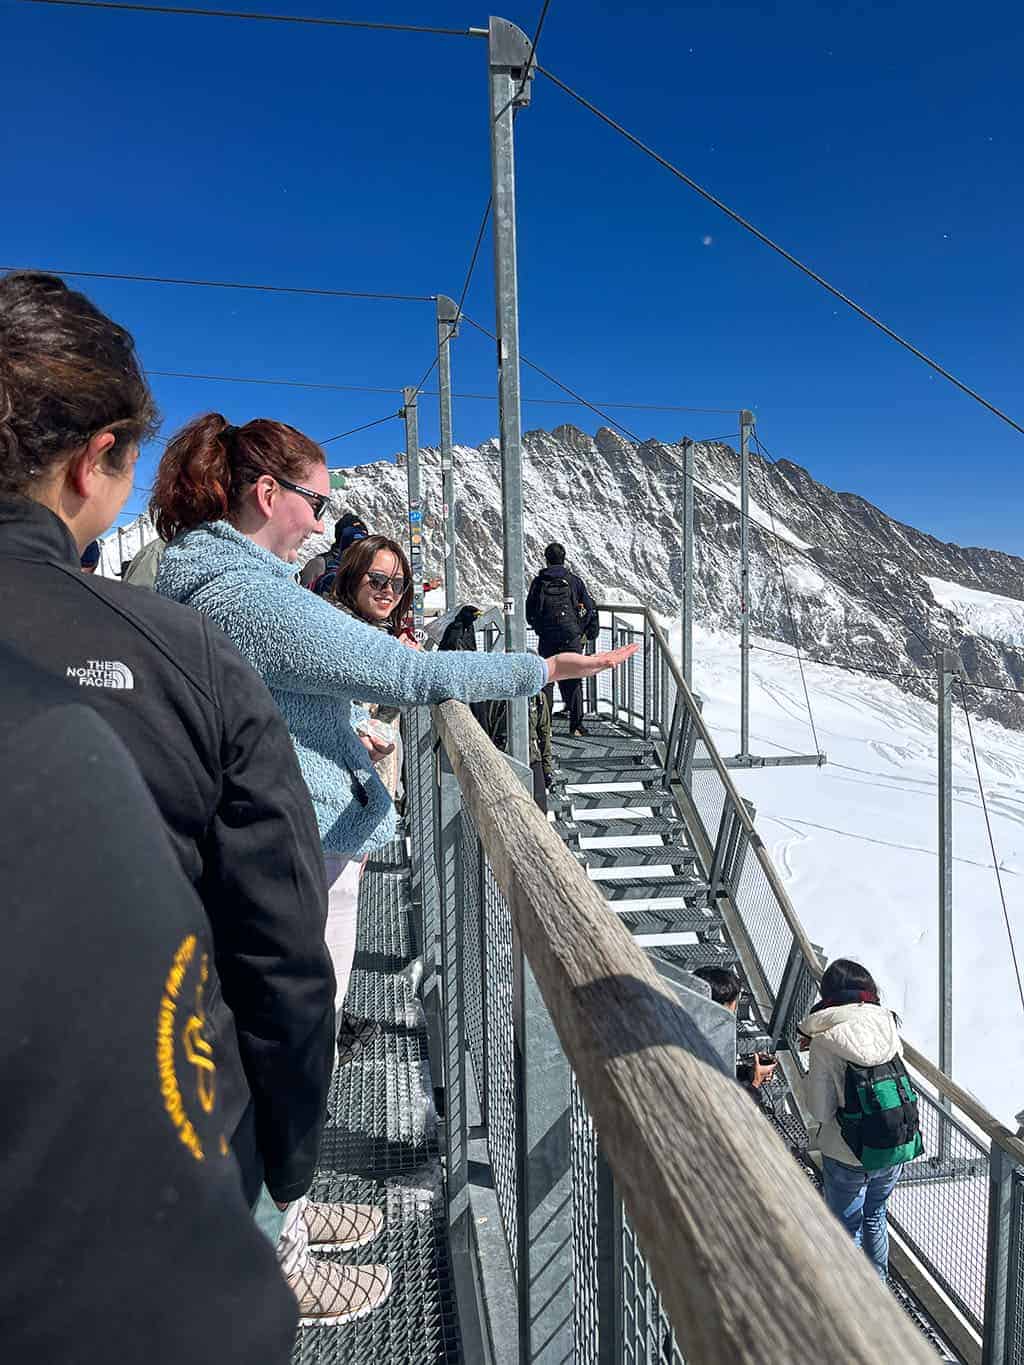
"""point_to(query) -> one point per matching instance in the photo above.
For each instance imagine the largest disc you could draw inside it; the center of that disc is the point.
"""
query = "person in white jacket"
(849, 1025)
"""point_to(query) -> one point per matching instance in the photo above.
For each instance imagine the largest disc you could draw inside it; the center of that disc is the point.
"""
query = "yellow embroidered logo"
(196, 1047)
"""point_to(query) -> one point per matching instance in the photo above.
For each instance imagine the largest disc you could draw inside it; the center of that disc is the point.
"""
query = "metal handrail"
(963, 1099)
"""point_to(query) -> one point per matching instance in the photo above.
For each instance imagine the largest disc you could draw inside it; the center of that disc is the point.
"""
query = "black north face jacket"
(118, 1192)
(214, 751)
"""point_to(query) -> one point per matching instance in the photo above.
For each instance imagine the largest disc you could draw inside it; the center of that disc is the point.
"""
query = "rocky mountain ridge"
(830, 572)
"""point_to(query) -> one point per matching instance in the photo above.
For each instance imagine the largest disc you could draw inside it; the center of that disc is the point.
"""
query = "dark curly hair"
(67, 372)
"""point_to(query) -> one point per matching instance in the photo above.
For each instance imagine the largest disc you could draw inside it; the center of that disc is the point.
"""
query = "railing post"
(412, 470)
(997, 1340)
(447, 327)
(723, 846)
(686, 605)
(648, 687)
(510, 71)
(746, 423)
(740, 848)
(947, 670)
(616, 687)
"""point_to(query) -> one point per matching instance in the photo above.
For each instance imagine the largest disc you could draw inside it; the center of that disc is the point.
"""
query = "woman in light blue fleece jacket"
(238, 502)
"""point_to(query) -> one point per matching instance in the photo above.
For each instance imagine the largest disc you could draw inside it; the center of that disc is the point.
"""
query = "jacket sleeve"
(304, 645)
(821, 1092)
(265, 884)
(589, 606)
(531, 603)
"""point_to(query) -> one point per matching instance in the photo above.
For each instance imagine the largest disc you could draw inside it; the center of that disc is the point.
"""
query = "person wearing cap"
(91, 557)
(320, 571)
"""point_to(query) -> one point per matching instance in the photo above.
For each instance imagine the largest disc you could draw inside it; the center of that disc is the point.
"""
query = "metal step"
(690, 920)
(693, 956)
(652, 798)
(667, 855)
(632, 765)
(642, 824)
(653, 888)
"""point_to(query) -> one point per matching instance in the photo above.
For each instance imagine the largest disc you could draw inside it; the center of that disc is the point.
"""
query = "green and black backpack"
(879, 1120)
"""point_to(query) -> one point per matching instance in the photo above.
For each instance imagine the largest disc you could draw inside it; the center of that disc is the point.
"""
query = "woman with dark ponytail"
(241, 1045)
(859, 1091)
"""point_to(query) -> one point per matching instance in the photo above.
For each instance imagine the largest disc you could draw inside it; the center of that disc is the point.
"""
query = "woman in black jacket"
(203, 729)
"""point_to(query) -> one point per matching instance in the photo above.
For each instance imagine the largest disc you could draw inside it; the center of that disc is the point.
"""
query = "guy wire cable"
(365, 427)
(219, 284)
(265, 18)
(780, 250)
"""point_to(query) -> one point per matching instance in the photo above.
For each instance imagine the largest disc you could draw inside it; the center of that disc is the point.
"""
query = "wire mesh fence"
(585, 1232)
(940, 1207)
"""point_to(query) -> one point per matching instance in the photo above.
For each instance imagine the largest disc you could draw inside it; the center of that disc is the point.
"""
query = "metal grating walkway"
(380, 1146)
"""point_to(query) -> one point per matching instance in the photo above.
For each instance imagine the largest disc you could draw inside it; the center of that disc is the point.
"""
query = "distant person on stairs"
(562, 612)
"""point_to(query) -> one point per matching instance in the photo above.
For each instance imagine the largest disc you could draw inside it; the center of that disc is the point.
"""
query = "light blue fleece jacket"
(317, 661)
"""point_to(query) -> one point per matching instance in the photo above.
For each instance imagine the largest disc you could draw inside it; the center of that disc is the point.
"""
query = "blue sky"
(883, 144)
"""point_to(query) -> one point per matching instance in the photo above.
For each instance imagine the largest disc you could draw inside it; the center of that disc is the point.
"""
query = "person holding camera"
(752, 1072)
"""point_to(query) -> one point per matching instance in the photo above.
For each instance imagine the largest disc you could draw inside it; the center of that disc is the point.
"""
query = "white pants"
(293, 1243)
(342, 915)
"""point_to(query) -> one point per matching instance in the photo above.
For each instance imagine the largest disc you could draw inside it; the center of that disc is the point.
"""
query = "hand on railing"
(562, 667)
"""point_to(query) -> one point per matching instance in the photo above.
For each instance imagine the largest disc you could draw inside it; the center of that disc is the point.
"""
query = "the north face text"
(103, 673)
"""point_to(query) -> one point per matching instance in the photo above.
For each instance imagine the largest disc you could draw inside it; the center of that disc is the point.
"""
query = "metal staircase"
(615, 809)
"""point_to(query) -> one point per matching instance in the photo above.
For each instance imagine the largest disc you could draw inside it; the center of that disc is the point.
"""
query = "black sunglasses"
(380, 581)
(318, 501)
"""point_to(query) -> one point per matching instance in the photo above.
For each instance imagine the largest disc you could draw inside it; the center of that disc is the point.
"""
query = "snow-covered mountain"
(838, 577)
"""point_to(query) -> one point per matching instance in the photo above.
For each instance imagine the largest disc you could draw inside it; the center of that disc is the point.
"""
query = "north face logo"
(104, 673)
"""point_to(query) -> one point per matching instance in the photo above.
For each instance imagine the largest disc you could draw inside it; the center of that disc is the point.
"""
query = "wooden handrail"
(963, 1099)
(752, 1267)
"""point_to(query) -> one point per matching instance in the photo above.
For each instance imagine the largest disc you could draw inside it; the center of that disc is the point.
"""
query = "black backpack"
(558, 614)
(879, 1120)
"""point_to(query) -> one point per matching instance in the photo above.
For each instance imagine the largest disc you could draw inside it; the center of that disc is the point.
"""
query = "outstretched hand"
(562, 667)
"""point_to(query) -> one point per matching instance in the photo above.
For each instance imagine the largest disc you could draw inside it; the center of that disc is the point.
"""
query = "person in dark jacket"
(129, 1236)
(319, 572)
(563, 614)
(203, 729)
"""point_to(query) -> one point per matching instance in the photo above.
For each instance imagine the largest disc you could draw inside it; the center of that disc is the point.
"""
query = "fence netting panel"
(647, 1336)
(499, 986)
(767, 928)
(940, 1207)
(473, 948)
(586, 1304)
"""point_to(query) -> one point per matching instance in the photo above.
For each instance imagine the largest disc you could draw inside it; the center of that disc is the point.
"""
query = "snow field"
(856, 840)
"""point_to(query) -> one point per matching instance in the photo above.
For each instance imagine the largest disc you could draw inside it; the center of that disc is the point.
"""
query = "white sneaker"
(330, 1293)
(342, 1225)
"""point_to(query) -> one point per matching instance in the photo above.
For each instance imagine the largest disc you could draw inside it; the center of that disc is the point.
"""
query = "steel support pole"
(447, 317)
(686, 605)
(412, 471)
(746, 423)
(508, 52)
(948, 669)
